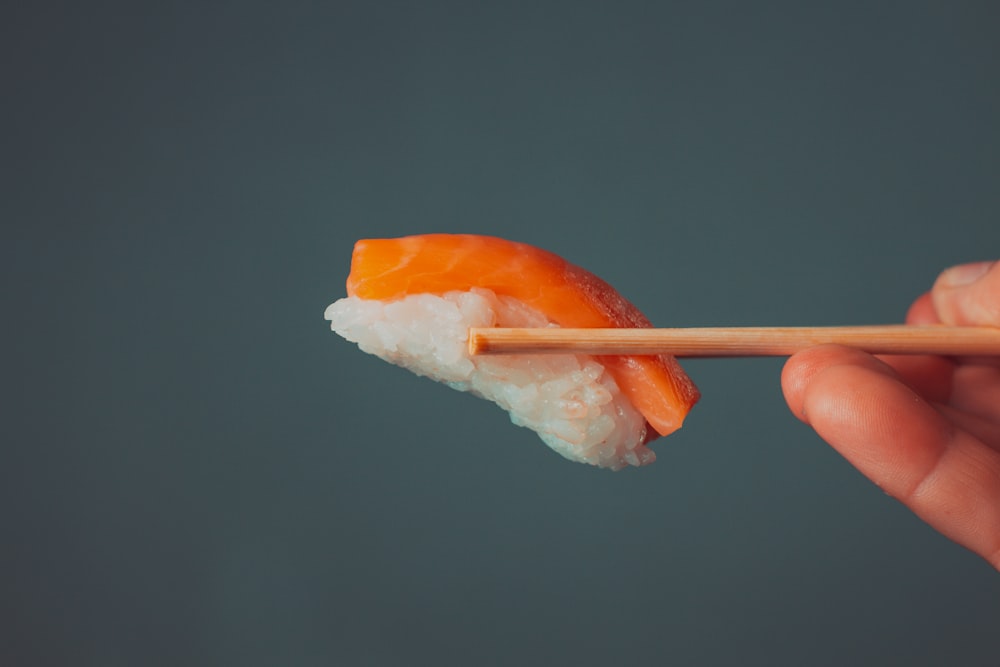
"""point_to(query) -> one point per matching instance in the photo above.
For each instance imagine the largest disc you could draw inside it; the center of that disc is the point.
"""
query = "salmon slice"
(389, 269)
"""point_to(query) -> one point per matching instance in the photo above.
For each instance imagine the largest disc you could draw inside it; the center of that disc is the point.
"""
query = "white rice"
(569, 400)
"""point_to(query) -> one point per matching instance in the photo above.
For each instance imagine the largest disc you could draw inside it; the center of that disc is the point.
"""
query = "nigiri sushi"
(411, 301)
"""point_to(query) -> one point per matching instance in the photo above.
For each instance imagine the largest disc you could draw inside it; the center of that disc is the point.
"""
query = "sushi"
(411, 301)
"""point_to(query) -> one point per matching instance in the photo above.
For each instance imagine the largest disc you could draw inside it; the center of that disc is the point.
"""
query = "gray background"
(194, 470)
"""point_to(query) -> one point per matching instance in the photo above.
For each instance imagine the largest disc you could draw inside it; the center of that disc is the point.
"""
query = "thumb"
(969, 294)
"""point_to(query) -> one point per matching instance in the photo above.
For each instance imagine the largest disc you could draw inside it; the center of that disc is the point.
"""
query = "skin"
(924, 429)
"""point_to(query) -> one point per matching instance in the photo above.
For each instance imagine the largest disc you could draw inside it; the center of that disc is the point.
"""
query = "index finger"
(897, 439)
(930, 376)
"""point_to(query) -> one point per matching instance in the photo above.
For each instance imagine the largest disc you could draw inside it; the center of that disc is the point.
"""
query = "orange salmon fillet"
(389, 269)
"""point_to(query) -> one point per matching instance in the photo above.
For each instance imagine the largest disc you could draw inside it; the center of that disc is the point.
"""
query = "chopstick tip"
(475, 343)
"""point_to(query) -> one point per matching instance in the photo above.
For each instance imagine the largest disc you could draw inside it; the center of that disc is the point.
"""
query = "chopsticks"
(738, 341)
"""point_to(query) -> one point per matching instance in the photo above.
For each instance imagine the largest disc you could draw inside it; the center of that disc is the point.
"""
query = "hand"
(925, 429)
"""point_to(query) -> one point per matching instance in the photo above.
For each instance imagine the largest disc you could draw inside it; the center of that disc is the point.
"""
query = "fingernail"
(964, 274)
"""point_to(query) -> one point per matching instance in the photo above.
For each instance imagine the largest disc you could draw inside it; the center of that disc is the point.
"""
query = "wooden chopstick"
(738, 341)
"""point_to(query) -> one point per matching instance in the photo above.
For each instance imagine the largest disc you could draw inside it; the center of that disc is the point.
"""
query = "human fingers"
(985, 429)
(930, 376)
(969, 294)
(922, 311)
(901, 442)
(971, 384)
(801, 367)
(976, 390)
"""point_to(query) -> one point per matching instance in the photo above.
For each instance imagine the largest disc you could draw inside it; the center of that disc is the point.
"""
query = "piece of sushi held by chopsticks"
(412, 300)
